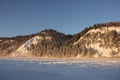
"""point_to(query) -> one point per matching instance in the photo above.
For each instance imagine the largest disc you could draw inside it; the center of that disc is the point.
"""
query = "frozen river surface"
(59, 69)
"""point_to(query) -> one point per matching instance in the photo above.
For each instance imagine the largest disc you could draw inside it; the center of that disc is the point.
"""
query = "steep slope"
(23, 49)
(101, 41)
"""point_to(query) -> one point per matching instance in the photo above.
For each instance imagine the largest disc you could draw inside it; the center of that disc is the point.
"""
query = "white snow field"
(35, 69)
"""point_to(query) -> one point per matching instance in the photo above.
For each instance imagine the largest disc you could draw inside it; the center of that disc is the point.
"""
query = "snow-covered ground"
(88, 69)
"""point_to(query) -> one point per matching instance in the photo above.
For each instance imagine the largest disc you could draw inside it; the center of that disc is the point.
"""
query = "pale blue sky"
(19, 17)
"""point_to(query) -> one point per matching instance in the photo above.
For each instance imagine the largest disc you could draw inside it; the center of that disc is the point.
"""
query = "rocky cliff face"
(101, 40)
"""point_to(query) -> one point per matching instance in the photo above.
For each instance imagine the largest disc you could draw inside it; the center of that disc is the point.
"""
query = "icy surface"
(59, 69)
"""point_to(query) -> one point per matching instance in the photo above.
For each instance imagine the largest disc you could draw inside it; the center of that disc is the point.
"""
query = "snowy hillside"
(101, 30)
(24, 49)
(95, 38)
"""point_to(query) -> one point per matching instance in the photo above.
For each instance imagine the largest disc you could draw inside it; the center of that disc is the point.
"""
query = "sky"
(21, 17)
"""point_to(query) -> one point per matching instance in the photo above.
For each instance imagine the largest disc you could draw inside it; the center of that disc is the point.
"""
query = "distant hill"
(99, 40)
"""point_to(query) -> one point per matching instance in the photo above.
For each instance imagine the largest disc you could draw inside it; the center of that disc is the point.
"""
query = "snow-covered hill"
(23, 50)
(101, 40)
